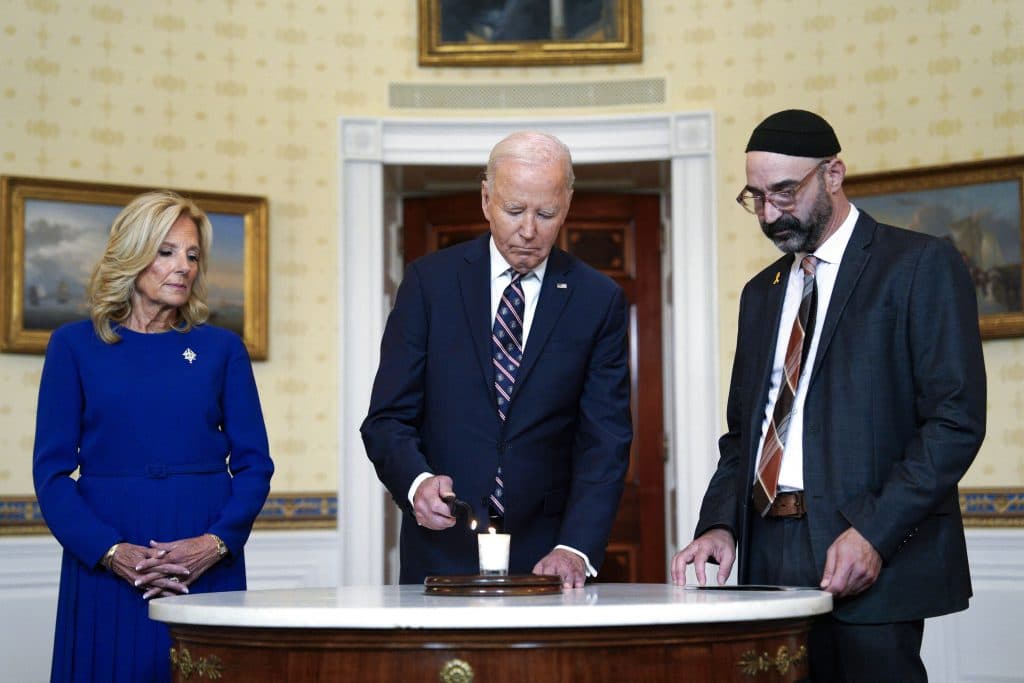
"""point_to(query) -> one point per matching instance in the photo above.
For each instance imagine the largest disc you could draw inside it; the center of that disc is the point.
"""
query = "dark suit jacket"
(894, 415)
(565, 445)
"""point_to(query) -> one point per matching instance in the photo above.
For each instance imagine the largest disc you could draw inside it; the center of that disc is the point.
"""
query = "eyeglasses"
(783, 200)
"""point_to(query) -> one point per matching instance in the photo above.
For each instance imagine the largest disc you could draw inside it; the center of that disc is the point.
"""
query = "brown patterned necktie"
(767, 481)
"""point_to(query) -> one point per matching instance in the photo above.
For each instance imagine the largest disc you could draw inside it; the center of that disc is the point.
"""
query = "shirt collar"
(499, 266)
(832, 250)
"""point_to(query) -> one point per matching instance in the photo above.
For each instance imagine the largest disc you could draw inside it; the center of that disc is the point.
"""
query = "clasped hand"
(165, 568)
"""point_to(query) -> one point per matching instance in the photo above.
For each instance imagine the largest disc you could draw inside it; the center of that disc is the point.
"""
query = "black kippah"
(795, 133)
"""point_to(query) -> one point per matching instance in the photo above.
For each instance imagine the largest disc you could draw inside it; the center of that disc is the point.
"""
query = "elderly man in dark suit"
(857, 402)
(504, 378)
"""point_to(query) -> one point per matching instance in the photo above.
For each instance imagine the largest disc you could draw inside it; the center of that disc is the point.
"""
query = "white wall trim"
(30, 575)
(984, 642)
(368, 144)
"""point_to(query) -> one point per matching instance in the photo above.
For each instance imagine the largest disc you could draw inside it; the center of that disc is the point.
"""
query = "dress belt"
(157, 470)
(788, 504)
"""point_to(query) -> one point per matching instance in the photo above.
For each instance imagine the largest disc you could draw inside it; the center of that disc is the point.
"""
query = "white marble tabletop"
(407, 606)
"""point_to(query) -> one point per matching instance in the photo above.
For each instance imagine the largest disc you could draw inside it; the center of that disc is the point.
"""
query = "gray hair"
(531, 147)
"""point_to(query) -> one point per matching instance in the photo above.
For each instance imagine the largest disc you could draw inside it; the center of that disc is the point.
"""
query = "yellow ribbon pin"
(777, 275)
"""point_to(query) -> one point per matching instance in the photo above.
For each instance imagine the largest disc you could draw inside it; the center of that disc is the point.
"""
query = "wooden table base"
(717, 653)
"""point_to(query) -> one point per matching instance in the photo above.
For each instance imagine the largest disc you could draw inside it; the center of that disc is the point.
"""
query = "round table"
(604, 632)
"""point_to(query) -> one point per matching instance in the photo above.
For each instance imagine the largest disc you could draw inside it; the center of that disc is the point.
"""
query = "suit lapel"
(855, 258)
(555, 292)
(776, 282)
(474, 278)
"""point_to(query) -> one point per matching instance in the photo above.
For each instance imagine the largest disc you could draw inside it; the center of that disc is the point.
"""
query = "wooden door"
(618, 234)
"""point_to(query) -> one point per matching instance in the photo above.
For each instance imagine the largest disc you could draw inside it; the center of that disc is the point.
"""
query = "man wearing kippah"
(856, 404)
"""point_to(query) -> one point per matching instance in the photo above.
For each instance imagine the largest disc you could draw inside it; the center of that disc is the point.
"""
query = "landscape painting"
(54, 232)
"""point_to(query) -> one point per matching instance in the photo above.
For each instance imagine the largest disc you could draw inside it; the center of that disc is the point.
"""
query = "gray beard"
(802, 236)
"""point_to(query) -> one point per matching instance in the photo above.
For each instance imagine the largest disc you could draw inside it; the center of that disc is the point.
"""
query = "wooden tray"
(479, 584)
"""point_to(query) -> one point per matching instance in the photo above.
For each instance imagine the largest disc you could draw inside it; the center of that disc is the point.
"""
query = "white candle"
(493, 549)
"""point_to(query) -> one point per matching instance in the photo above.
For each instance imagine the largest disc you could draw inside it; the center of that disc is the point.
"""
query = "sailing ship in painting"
(64, 239)
(61, 303)
(46, 309)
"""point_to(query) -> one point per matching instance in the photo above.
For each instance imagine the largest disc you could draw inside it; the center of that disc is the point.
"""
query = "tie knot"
(809, 263)
(516, 275)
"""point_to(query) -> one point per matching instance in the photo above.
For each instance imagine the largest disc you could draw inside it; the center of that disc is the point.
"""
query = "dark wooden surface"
(491, 585)
(708, 653)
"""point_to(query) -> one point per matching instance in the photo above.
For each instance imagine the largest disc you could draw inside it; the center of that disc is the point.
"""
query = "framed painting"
(529, 32)
(52, 233)
(978, 206)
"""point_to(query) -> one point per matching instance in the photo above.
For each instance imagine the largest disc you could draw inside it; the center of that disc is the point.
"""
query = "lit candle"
(493, 552)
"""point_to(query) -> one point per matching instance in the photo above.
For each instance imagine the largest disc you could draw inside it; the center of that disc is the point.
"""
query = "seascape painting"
(64, 239)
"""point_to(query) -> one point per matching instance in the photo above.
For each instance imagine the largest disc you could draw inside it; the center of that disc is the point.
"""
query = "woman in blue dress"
(159, 415)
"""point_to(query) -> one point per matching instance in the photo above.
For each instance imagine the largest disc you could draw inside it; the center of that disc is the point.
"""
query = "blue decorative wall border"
(992, 506)
(981, 507)
(21, 514)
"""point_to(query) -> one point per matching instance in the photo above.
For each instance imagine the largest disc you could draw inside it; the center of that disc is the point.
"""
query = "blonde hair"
(135, 237)
(531, 147)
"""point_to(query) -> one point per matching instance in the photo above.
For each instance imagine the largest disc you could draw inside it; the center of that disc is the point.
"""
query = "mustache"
(785, 223)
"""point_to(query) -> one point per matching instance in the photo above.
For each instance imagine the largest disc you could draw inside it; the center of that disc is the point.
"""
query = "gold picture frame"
(52, 232)
(979, 206)
(513, 32)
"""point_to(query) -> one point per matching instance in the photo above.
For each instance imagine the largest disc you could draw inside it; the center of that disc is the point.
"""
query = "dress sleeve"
(55, 457)
(249, 461)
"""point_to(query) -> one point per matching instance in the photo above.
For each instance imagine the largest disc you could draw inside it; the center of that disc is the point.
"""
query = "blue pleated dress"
(167, 433)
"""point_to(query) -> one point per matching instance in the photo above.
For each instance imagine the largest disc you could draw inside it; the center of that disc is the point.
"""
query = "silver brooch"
(189, 355)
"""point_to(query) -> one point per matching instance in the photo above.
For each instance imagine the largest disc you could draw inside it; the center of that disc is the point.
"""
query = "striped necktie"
(506, 354)
(767, 481)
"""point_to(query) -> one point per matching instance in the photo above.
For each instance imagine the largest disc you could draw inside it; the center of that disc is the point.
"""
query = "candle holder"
(476, 585)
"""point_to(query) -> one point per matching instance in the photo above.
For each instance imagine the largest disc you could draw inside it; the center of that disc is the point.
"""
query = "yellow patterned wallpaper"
(243, 96)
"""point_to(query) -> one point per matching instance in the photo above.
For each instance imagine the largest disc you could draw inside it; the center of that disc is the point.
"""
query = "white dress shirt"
(500, 277)
(829, 255)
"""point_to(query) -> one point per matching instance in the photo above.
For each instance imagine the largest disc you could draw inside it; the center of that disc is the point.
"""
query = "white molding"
(361, 324)
(694, 324)
(693, 136)
(292, 559)
(455, 142)
(684, 139)
(30, 576)
(983, 643)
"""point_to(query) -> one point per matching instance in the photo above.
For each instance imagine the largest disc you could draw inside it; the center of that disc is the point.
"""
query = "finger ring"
(174, 579)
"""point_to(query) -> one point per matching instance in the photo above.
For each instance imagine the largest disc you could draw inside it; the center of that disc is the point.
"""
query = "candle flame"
(472, 525)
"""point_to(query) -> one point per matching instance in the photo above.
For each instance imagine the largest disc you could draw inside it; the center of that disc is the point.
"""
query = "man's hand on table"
(569, 566)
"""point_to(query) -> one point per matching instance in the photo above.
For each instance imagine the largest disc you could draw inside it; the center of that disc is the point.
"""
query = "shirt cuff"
(416, 484)
(591, 572)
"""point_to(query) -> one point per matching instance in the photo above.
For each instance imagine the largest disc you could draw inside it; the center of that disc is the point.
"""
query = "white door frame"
(366, 145)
